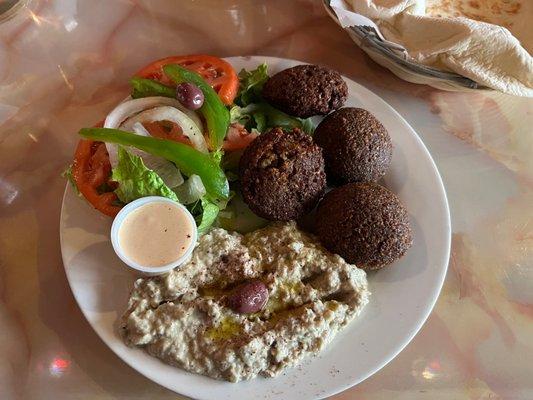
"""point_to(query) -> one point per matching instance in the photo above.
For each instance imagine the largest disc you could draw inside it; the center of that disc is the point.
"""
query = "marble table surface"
(64, 63)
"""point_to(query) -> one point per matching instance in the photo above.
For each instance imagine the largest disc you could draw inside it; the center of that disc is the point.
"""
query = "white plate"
(402, 295)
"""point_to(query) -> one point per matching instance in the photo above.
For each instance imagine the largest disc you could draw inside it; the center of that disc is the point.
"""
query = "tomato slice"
(167, 130)
(218, 73)
(237, 138)
(91, 170)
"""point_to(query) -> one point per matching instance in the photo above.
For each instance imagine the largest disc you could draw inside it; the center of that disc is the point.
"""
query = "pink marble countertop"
(64, 63)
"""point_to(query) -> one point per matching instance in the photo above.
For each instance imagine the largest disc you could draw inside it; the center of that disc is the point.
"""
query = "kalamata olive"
(248, 298)
(189, 95)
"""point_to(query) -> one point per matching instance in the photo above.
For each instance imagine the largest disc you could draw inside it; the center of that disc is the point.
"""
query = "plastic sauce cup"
(144, 269)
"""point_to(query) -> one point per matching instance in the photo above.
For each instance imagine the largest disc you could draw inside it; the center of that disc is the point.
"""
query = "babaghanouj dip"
(211, 316)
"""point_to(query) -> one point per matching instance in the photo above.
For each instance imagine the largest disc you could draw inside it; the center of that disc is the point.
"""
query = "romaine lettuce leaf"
(251, 85)
(135, 180)
(205, 213)
(261, 116)
(208, 216)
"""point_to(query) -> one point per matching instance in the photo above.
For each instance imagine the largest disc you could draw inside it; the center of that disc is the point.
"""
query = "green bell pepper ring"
(214, 111)
(189, 160)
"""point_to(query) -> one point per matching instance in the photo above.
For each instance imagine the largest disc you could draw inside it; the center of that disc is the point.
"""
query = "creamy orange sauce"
(156, 234)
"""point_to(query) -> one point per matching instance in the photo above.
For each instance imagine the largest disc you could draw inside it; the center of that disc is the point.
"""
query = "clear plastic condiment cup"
(148, 270)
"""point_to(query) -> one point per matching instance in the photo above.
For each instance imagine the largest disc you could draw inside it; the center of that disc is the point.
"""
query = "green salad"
(200, 168)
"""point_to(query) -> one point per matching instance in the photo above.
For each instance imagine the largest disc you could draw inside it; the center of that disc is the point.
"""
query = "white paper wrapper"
(446, 52)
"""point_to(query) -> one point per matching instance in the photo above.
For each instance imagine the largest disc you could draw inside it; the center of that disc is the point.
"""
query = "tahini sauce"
(156, 234)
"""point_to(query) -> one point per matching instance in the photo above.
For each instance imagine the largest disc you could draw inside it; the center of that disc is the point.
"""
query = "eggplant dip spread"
(246, 305)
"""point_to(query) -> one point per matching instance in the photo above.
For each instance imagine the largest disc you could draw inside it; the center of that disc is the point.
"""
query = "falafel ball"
(306, 90)
(282, 174)
(364, 223)
(357, 147)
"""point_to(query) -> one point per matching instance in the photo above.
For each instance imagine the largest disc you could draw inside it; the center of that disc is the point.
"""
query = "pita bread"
(515, 15)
